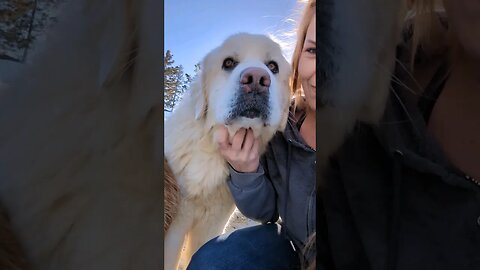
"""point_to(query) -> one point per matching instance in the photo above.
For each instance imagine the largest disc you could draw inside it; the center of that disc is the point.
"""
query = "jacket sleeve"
(254, 194)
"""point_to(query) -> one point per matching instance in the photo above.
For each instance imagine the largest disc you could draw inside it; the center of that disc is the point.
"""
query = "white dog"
(243, 83)
(80, 137)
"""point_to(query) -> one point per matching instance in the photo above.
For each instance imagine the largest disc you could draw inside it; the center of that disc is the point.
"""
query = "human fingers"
(255, 150)
(248, 142)
(238, 139)
(222, 138)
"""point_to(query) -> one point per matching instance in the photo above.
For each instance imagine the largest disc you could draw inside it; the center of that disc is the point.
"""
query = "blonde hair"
(423, 14)
(296, 87)
(295, 84)
(311, 245)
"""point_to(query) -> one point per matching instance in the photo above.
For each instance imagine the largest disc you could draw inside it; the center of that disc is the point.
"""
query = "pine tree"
(173, 82)
(22, 22)
(189, 78)
(197, 68)
(180, 85)
(187, 82)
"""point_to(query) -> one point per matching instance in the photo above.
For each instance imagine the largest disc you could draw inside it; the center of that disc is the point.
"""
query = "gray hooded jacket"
(284, 185)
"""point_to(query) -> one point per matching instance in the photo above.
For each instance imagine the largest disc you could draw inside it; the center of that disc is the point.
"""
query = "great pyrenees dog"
(80, 141)
(243, 83)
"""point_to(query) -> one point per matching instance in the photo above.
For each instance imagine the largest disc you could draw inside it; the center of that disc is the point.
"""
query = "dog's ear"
(117, 46)
(200, 92)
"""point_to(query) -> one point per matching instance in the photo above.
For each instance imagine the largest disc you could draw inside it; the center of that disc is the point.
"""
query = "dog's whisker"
(395, 79)
(404, 107)
(408, 72)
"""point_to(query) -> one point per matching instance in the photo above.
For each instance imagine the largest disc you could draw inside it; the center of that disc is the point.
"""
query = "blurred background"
(22, 24)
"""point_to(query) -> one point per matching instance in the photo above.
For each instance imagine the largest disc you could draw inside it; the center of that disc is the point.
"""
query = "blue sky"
(194, 27)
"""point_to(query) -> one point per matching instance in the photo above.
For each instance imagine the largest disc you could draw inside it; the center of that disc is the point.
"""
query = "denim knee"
(204, 259)
(255, 248)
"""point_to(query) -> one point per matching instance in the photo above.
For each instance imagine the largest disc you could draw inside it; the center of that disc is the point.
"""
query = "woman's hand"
(242, 153)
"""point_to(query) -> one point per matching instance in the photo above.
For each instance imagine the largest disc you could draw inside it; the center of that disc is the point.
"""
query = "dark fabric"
(284, 186)
(427, 221)
(392, 200)
(432, 91)
(260, 247)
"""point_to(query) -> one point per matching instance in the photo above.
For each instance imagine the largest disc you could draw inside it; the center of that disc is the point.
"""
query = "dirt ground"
(236, 221)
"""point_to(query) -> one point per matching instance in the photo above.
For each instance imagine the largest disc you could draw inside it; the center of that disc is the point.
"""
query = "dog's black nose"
(255, 79)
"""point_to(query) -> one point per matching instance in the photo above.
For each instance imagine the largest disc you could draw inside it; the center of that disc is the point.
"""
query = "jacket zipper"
(473, 180)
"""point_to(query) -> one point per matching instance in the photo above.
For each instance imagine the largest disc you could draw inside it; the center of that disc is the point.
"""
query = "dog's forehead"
(250, 46)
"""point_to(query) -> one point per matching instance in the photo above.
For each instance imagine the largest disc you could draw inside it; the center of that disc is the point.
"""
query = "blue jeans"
(254, 248)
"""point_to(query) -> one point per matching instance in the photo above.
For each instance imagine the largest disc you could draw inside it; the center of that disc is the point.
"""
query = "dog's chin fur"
(191, 146)
(80, 152)
(259, 128)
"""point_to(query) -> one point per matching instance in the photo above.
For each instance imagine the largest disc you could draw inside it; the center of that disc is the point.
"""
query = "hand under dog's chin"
(256, 124)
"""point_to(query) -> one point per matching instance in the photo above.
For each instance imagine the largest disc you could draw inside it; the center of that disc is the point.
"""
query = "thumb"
(222, 137)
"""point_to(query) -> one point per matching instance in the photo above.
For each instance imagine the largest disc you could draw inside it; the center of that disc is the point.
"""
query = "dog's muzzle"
(253, 95)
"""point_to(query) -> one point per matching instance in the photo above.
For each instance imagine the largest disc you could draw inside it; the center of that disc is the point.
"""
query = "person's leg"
(254, 248)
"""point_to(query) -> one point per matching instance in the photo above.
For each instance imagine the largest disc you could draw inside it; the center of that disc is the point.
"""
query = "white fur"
(80, 141)
(191, 146)
(227, 93)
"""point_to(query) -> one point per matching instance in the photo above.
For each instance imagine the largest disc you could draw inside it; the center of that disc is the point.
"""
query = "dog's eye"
(273, 66)
(229, 63)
